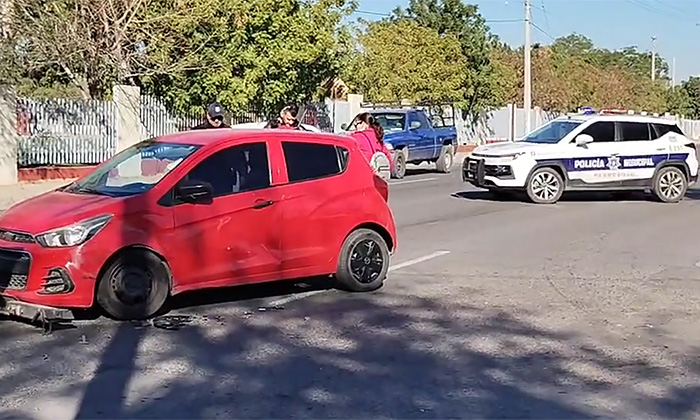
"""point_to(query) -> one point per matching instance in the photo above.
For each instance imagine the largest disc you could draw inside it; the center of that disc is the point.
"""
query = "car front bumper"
(495, 172)
(37, 279)
(33, 312)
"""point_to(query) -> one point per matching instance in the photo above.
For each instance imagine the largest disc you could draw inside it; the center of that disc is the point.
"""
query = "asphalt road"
(588, 308)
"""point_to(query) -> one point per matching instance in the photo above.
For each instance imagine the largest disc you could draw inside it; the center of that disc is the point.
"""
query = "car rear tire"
(545, 186)
(670, 185)
(446, 160)
(363, 263)
(135, 286)
(399, 165)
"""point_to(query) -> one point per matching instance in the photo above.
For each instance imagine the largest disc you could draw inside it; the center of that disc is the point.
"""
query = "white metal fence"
(65, 132)
(158, 120)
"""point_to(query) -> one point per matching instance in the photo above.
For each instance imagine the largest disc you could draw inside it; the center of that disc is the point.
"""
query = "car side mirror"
(195, 192)
(583, 139)
(415, 125)
(344, 127)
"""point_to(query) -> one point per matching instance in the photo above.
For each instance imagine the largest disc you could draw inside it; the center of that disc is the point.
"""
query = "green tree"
(242, 53)
(463, 21)
(685, 99)
(88, 46)
(259, 53)
(403, 60)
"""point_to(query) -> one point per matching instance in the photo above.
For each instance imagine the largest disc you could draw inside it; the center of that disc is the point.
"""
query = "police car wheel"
(670, 185)
(545, 186)
(363, 263)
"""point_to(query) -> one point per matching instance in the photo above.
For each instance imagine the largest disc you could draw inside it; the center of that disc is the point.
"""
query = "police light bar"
(616, 111)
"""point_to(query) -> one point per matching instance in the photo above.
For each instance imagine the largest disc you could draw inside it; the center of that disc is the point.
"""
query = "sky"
(611, 24)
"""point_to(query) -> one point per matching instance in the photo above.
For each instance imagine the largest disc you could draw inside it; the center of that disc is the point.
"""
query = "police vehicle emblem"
(614, 163)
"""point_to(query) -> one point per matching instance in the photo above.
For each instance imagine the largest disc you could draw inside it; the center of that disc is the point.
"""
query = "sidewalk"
(11, 194)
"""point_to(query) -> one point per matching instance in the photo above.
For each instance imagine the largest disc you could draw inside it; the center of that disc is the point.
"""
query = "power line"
(545, 33)
(545, 13)
(679, 14)
(380, 14)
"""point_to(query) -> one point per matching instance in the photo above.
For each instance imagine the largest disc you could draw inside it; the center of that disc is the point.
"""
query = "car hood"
(393, 135)
(509, 148)
(55, 209)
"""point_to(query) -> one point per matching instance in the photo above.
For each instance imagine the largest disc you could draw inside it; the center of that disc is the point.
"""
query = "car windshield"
(552, 132)
(133, 171)
(390, 122)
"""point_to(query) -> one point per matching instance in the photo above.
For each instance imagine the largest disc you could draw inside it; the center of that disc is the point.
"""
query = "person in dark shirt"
(215, 118)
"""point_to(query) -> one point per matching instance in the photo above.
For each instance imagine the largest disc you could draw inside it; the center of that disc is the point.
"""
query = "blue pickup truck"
(411, 137)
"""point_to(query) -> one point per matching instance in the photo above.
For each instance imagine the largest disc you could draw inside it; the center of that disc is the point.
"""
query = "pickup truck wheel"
(446, 160)
(399, 166)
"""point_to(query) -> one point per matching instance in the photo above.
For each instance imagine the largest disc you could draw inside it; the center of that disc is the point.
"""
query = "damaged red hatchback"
(194, 210)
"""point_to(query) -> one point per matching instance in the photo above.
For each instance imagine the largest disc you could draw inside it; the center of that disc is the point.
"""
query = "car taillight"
(382, 186)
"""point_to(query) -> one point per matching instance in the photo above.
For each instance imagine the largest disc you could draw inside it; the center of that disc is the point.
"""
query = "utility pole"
(653, 58)
(527, 100)
(673, 72)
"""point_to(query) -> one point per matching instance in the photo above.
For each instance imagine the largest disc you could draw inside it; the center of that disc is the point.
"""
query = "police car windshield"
(552, 132)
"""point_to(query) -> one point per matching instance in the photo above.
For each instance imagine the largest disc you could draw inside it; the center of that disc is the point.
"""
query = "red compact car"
(195, 210)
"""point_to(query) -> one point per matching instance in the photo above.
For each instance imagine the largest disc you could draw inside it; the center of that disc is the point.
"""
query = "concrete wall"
(8, 136)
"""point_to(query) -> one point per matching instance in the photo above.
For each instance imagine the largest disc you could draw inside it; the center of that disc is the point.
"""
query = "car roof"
(218, 135)
(390, 110)
(618, 118)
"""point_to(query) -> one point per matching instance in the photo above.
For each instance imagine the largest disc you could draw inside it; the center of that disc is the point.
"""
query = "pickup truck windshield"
(390, 122)
(133, 171)
(552, 132)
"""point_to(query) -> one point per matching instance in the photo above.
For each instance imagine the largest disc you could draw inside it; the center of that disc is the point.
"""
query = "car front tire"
(135, 286)
(363, 263)
(545, 186)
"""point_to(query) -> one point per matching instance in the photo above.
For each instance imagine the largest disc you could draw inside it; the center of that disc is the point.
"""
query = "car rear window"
(661, 130)
(307, 161)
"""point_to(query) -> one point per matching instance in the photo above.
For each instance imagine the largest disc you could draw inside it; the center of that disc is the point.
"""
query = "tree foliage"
(240, 52)
(572, 73)
(401, 60)
(263, 53)
(480, 90)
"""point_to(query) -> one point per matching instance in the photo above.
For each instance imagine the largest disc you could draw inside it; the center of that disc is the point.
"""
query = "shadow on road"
(202, 299)
(571, 196)
(367, 356)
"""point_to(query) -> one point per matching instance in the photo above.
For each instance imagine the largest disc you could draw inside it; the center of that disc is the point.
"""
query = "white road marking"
(299, 296)
(412, 181)
(418, 260)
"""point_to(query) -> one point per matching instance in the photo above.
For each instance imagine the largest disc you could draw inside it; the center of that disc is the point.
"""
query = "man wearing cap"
(215, 118)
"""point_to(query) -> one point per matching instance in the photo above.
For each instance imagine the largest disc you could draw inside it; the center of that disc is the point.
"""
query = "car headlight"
(73, 235)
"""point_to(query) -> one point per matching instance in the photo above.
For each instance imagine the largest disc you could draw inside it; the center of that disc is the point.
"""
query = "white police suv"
(603, 151)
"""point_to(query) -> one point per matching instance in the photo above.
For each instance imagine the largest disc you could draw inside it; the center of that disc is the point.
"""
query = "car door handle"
(661, 149)
(262, 204)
